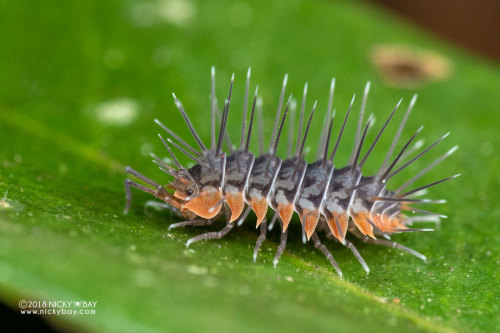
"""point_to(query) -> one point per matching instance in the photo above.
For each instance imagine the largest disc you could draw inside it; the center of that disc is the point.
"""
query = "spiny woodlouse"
(327, 199)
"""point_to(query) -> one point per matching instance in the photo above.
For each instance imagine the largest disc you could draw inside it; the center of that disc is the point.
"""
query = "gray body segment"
(262, 176)
(339, 195)
(313, 188)
(238, 167)
(205, 176)
(288, 182)
(338, 200)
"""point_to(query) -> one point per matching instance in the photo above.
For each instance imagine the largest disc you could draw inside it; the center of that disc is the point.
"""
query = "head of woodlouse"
(184, 186)
(198, 188)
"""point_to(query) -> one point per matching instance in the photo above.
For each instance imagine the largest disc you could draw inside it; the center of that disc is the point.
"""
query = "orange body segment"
(310, 220)
(396, 223)
(286, 213)
(361, 221)
(381, 221)
(385, 223)
(202, 204)
(259, 206)
(342, 220)
(236, 203)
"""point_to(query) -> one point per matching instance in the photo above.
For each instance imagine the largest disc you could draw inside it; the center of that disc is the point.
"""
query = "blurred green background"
(81, 82)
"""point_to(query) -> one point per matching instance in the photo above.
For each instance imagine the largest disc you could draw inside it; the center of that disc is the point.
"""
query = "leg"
(349, 245)
(281, 248)
(384, 242)
(160, 192)
(304, 237)
(329, 256)
(357, 255)
(377, 229)
(197, 222)
(214, 234)
(273, 221)
(322, 226)
(244, 216)
(260, 240)
(211, 235)
(161, 206)
(141, 177)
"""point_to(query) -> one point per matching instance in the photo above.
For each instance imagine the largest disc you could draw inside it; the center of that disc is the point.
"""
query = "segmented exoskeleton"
(327, 199)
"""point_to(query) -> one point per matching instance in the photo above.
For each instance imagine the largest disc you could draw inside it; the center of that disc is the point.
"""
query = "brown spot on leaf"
(409, 67)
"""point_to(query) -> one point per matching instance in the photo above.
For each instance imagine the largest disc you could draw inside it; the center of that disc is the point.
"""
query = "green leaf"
(67, 67)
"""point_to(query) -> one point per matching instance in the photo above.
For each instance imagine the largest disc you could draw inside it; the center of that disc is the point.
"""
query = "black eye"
(189, 192)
